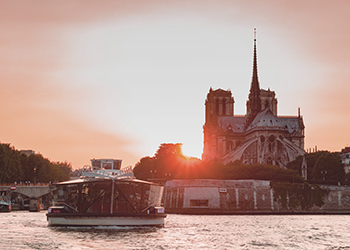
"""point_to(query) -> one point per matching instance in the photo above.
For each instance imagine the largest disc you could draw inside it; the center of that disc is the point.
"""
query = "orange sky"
(115, 79)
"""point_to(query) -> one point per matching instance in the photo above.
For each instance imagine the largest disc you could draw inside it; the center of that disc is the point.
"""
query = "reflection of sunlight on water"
(105, 229)
(104, 232)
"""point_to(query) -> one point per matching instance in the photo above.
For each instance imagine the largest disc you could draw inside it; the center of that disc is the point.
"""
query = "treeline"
(291, 190)
(322, 166)
(169, 163)
(18, 167)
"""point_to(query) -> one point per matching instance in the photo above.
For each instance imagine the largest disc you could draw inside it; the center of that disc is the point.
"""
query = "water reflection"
(182, 232)
(108, 230)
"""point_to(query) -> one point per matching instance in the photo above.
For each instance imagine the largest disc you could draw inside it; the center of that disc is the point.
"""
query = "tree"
(40, 169)
(60, 171)
(10, 164)
(168, 150)
(17, 167)
(329, 167)
(168, 162)
(239, 171)
(320, 161)
(144, 167)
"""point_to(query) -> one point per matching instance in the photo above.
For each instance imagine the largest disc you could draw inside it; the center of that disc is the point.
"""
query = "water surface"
(25, 230)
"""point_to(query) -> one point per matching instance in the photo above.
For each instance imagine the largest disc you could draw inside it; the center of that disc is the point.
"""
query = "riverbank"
(243, 197)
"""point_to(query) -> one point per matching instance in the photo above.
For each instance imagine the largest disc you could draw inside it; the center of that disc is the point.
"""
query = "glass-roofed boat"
(106, 195)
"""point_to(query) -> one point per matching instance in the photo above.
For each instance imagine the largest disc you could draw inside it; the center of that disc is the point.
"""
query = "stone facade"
(345, 159)
(260, 136)
(240, 197)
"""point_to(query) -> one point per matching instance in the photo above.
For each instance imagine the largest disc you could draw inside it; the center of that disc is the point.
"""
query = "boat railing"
(152, 205)
(124, 173)
(69, 206)
(87, 168)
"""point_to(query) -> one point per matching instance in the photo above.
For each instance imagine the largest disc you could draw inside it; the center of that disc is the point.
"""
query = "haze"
(115, 79)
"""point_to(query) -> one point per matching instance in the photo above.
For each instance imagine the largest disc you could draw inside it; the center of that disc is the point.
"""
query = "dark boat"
(5, 205)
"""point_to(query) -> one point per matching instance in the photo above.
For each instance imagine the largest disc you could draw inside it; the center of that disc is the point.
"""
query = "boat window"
(96, 197)
(106, 164)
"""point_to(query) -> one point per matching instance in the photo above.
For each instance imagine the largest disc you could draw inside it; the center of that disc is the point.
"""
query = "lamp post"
(324, 172)
(153, 172)
(34, 176)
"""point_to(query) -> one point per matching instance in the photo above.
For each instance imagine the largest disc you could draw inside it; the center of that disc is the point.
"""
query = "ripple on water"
(24, 230)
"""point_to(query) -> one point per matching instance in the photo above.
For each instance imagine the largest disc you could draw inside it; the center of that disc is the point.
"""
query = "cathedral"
(260, 136)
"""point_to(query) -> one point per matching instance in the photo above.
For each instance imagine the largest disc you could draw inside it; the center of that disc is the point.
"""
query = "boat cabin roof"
(87, 180)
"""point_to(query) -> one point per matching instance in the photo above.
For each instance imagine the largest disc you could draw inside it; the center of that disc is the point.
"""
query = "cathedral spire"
(254, 102)
(255, 88)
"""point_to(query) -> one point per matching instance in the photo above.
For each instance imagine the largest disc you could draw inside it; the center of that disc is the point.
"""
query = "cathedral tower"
(219, 104)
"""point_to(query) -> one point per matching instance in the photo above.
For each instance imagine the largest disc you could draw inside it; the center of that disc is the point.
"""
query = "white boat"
(106, 195)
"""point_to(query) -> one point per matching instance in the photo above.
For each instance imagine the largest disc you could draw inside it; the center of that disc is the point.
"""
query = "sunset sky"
(115, 79)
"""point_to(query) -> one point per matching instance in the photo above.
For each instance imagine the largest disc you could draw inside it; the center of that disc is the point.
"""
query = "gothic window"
(267, 104)
(262, 138)
(224, 106)
(271, 143)
(279, 147)
(217, 107)
(230, 146)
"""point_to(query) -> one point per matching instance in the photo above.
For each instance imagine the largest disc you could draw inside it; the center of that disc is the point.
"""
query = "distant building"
(345, 158)
(27, 152)
(304, 168)
(260, 136)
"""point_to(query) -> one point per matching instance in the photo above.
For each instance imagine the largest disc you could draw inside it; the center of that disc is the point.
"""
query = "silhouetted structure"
(345, 158)
(261, 136)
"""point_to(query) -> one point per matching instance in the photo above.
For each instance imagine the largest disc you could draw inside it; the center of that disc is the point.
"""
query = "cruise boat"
(106, 195)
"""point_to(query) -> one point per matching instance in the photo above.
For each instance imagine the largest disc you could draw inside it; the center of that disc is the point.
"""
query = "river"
(25, 230)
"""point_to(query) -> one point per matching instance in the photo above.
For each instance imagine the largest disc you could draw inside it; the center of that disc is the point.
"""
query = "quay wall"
(204, 196)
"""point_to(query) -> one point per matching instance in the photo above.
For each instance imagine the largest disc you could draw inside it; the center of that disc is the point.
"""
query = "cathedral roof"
(234, 123)
(266, 119)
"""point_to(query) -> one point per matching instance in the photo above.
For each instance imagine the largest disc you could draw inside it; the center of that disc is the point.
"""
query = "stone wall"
(338, 198)
(241, 197)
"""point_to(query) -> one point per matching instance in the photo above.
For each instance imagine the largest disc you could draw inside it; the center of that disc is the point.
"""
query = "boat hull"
(105, 220)
(4, 207)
